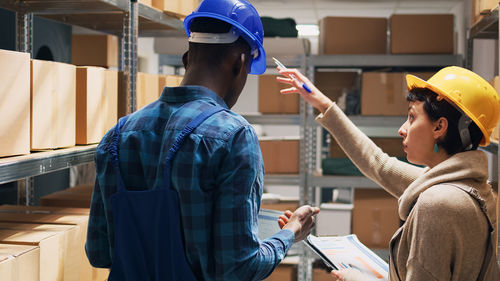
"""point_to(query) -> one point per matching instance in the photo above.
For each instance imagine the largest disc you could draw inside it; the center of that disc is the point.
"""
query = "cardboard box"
(75, 197)
(333, 83)
(334, 219)
(391, 146)
(485, 6)
(90, 87)
(51, 250)
(94, 50)
(272, 101)
(122, 95)
(110, 106)
(375, 217)
(294, 47)
(385, 93)
(281, 156)
(352, 35)
(283, 272)
(15, 103)
(280, 204)
(53, 105)
(66, 199)
(320, 274)
(69, 249)
(64, 216)
(169, 81)
(422, 34)
(146, 2)
(147, 89)
(186, 7)
(19, 262)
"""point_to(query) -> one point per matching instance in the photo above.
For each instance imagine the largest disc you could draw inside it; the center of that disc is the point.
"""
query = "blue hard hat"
(241, 15)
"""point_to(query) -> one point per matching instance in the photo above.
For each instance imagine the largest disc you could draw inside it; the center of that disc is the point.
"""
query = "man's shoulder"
(224, 125)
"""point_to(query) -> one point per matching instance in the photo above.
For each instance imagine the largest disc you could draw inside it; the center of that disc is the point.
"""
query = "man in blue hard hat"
(179, 182)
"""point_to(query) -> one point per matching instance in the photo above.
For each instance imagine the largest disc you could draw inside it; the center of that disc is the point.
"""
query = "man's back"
(217, 172)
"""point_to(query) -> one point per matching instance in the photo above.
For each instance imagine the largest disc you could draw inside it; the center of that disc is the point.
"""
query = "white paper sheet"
(342, 252)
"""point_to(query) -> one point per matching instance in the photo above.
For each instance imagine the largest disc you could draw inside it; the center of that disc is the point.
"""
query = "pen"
(282, 66)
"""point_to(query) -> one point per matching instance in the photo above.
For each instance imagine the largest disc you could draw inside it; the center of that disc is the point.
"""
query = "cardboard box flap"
(42, 210)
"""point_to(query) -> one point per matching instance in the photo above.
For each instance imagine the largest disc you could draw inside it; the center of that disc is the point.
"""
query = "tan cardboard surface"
(43, 210)
(422, 34)
(89, 103)
(43, 105)
(280, 156)
(147, 89)
(375, 217)
(70, 242)
(66, 199)
(53, 97)
(51, 250)
(65, 85)
(70, 216)
(19, 262)
(94, 50)
(14, 103)
(110, 105)
(272, 101)
(385, 93)
(283, 272)
(352, 35)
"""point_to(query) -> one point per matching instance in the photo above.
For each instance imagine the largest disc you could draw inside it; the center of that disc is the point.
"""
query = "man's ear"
(239, 64)
(185, 59)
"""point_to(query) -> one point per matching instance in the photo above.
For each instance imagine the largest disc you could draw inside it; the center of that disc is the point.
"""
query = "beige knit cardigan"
(445, 233)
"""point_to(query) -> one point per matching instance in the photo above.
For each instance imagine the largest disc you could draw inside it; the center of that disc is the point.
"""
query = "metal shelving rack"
(119, 17)
(373, 126)
(486, 28)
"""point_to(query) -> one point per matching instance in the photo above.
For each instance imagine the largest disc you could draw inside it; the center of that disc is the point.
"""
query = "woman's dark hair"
(435, 109)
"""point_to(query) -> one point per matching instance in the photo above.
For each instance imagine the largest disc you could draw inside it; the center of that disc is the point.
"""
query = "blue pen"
(282, 66)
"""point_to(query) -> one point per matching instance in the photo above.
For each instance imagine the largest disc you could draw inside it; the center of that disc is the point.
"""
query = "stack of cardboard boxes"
(45, 243)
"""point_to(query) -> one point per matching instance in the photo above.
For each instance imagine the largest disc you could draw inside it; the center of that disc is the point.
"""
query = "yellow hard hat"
(469, 92)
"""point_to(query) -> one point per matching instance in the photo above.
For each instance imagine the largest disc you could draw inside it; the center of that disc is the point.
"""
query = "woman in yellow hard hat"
(448, 208)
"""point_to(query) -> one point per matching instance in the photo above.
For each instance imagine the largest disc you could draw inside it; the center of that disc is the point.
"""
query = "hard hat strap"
(214, 38)
(463, 129)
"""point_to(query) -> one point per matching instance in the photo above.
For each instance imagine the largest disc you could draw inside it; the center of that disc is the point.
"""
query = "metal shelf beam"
(343, 181)
(100, 15)
(38, 163)
(281, 180)
(486, 28)
(290, 61)
(272, 119)
(367, 61)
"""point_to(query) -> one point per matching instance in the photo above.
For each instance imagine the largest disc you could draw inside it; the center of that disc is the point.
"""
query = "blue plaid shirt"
(218, 173)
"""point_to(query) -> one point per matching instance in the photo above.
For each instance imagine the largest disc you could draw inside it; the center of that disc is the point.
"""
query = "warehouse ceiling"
(310, 11)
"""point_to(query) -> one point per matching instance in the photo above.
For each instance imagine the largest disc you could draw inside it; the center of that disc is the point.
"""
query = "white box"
(334, 219)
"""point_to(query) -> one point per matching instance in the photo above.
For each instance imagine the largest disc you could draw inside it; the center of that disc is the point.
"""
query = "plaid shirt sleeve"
(97, 246)
(239, 254)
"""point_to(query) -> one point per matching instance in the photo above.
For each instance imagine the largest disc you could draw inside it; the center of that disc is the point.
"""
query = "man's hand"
(300, 222)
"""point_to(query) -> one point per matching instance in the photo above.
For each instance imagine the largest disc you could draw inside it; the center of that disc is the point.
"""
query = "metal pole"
(129, 53)
(30, 190)
(24, 32)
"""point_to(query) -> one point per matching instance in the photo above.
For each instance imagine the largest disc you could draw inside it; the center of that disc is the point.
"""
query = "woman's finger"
(284, 80)
(291, 90)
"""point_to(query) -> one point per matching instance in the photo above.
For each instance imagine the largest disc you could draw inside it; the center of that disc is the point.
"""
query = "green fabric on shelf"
(343, 166)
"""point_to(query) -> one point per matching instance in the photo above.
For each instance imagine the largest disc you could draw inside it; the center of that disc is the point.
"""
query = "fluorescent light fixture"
(308, 30)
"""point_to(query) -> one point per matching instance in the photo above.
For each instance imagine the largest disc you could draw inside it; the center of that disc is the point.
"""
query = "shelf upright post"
(24, 39)
(24, 31)
(128, 58)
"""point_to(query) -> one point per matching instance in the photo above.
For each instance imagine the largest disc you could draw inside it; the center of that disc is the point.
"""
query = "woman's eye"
(410, 117)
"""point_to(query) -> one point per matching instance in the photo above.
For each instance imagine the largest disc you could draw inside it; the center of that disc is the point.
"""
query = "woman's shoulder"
(445, 198)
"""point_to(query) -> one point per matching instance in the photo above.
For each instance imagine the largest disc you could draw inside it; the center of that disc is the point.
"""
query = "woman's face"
(417, 133)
